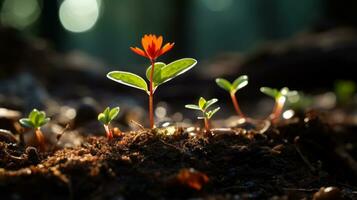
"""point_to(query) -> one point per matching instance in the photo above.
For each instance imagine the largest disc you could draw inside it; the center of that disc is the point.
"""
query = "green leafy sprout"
(35, 120)
(280, 97)
(162, 73)
(232, 88)
(345, 90)
(106, 117)
(203, 106)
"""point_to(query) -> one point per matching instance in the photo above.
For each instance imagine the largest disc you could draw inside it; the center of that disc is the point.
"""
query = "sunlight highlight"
(20, 14)
(79, 15)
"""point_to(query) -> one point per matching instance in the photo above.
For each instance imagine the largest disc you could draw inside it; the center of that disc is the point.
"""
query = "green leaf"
(102, 118)
(210, 102)
(113, 113)
(33, 115)
(26, 123)
(210, 113)
(129, 79)
(239, 83)
(35, 119)
(44, 121)
(202, 103)
(176, 68)
(215, 110)
(192, 106)
(108, 115)
(223, 83)
(270, 91)
(157, 73)
(41, 117)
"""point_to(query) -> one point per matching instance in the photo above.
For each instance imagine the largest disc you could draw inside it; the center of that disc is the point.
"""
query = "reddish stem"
(108, 131)
(207, 126)
(151, 95)
(236, 106)
(278, 109)
(40, 138)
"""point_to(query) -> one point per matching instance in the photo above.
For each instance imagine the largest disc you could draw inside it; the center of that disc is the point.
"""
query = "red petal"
(167, 47)
(138, 51)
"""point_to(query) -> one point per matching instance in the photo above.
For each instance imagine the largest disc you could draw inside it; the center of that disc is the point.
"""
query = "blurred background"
(55, 54)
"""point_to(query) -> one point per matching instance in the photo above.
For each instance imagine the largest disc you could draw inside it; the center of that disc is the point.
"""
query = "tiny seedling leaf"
(44, 121)
(101, 118)
(129, 79)
(223, 83)
(108, 115)
(210, 102)
(33, 114)
(215, 110)
(239, 83)
(210, 113)
(114, 113)
(35, 119)
(26, 123)
(202, 103)
(192, 106)
(270, 92)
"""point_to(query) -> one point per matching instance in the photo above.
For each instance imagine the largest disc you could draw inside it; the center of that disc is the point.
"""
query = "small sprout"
(157, 73)
(106, 117)
(280, 97)
(299, 102)
(344, 90)
(36, 120)
(203, 106)
(232, 88)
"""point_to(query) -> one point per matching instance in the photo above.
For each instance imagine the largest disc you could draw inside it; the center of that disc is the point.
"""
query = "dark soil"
(290, 161)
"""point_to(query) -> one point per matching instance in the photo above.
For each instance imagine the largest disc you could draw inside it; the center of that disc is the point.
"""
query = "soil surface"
(292, 160)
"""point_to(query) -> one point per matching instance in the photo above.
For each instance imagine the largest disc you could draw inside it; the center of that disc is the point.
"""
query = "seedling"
(36, 120)
(106, 118)
(280, 97)
(157, 73)
(232, 88)
(344, 90)
(203, 106)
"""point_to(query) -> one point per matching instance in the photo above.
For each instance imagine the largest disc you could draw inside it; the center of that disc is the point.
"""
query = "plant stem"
(40, 138)
(207, 126)
(236, 106)
(108, 131)
(151, 95)
(278, 109)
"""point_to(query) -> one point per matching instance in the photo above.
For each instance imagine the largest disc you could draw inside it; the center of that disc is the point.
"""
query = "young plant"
(232, 88)
(106, 117)
(280, 97)
(203, 106)
(36, 120)
(345, 90)
(157, 73)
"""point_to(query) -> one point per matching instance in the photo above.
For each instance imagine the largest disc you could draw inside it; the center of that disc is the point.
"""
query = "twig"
(306, 161)
(137, 124)
(59, 136)
(301, 189)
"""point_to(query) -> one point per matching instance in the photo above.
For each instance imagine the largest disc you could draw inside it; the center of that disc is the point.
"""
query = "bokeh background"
(201, 28)
(54, 54)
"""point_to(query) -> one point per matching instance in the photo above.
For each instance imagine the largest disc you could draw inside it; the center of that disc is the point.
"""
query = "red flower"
(152, 47)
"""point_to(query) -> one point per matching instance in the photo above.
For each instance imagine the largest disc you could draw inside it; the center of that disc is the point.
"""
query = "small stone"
(328, 193)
